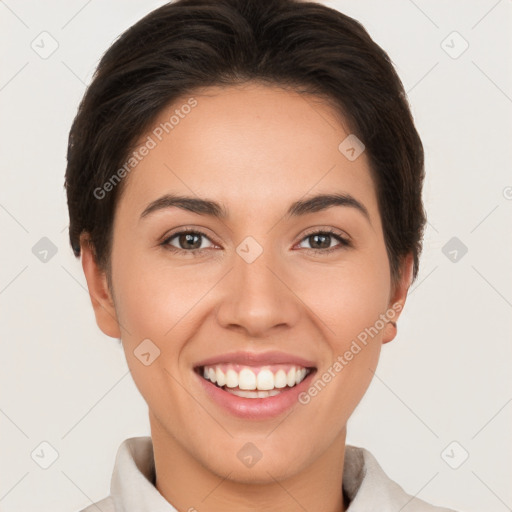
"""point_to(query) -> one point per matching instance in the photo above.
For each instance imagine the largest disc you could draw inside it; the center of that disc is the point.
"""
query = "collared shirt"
(132, 488)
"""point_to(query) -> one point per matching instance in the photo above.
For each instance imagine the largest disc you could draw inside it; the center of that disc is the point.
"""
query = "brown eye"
(185, 241)
(189, 241)
(321, 241)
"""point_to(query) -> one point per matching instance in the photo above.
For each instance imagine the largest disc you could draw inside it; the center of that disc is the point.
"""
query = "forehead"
(248, 146)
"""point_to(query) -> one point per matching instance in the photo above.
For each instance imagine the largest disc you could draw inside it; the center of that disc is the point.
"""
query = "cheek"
(346, 297)
(152, 295)
(155, 301)
(349, 301)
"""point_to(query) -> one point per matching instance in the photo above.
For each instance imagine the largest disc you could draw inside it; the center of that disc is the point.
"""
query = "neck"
(189, 485)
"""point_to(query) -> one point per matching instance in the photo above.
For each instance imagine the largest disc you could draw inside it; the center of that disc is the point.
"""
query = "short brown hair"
(188, 44)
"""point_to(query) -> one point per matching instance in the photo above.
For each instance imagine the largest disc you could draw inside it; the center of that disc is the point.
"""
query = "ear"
(397, 298)
(99, 292)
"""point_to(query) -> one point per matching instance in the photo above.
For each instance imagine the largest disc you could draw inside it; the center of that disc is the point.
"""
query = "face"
(264, 296)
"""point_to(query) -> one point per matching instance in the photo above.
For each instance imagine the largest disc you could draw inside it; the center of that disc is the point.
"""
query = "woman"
(244, 187)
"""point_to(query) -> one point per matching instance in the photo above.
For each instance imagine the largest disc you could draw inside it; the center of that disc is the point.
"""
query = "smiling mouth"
(254, 382)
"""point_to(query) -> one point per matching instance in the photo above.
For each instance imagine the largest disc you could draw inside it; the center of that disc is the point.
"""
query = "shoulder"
(105, 505)
(131, 484)
(369, 488)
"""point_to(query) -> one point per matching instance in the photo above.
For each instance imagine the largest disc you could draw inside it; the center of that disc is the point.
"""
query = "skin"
(255, 149)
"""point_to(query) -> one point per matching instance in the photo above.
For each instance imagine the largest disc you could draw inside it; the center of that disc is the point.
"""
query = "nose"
(258, 297)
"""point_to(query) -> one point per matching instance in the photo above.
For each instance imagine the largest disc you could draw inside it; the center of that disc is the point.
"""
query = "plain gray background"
(442, 390)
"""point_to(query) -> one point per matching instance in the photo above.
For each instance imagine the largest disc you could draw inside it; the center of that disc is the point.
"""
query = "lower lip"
(256, 408)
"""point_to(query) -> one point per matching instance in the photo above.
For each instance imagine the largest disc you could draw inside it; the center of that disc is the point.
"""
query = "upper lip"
(257, 359)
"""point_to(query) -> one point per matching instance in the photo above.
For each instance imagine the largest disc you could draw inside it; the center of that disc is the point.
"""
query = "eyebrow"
(211, 208)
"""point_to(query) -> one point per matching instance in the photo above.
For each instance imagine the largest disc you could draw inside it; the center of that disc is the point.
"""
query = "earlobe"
(397, 299)
(99, 292)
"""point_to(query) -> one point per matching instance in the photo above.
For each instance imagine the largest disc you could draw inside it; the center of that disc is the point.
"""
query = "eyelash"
(196, 252)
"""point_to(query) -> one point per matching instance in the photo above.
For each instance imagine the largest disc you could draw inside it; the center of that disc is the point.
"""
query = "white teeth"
(265, 380)
(291, 377)
(231, 379)
(221, 377)
(247, 380)
(253, 394)
(280, 379)
(299, 375)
